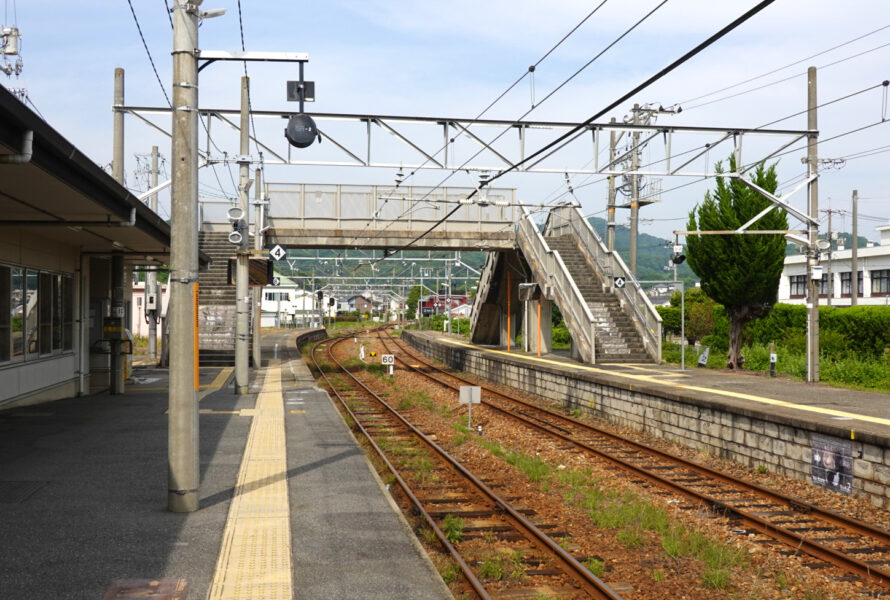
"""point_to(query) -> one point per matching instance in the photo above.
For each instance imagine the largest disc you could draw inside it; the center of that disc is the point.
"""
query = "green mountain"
(653, 253)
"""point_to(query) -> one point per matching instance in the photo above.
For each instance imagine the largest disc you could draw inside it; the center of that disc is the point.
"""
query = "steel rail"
(815, 549)
(591, 583)
(440, 535)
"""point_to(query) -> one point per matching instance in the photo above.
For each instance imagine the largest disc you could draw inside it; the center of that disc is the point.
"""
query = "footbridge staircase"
(608, 315)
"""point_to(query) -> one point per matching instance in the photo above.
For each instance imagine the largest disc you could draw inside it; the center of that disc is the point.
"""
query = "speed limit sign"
(387, 359)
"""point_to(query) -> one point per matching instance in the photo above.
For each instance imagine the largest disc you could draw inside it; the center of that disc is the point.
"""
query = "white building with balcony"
(873, 275)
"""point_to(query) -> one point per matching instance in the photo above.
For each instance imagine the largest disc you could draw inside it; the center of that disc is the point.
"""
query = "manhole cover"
(13, 492)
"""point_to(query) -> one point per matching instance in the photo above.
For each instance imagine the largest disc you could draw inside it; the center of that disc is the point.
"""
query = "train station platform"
(778, 424)
(290, 507)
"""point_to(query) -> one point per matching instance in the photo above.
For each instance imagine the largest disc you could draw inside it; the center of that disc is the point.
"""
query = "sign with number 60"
(387, 359)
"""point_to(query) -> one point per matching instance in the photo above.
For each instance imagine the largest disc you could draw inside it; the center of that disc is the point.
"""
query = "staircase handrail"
(570, 219)
(553, 270)
(484, 282)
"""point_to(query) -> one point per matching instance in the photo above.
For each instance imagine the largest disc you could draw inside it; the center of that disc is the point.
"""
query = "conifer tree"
(740, 271)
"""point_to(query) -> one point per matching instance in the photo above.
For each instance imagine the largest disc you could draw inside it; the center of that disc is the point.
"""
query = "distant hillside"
(653, 253)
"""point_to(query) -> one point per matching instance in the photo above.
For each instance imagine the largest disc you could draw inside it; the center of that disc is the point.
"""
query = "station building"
(70, 236)
(873, 275)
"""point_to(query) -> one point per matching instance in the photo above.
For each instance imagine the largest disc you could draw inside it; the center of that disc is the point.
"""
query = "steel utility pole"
(242, 299)
(183, 459)
(151, 278)
(634, 193)
(258, 246)
(854, 259)
(813, 233)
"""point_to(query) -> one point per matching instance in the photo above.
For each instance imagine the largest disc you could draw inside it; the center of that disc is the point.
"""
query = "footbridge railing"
(564, 220)
(547, 266)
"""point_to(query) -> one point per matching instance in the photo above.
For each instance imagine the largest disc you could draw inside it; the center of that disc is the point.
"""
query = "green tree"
(413, 298)
(699, 313)
(739, 271)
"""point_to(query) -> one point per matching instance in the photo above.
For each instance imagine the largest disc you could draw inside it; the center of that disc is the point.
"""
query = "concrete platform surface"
(83, 492)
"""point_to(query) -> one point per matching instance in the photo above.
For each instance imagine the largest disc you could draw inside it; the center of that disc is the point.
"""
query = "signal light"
(301, 131)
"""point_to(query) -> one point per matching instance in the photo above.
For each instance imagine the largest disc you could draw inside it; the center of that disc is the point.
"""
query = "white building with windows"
(835, 286)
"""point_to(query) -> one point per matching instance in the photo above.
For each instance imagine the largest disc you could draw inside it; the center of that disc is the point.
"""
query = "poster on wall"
(832, 463)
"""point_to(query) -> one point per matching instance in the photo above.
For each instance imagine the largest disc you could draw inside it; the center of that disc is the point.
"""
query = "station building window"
(880, 283)
(798, 285)
(36, 313)
(846, 281)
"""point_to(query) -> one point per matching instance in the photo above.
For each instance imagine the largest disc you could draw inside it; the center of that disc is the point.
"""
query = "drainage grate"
(154, 589)
(13, 492)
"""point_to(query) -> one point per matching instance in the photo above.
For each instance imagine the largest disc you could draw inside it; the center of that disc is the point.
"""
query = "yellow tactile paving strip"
(255, 557)
(676, 384)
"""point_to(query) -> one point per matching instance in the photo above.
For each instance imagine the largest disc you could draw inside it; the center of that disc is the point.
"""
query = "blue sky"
(453, 58)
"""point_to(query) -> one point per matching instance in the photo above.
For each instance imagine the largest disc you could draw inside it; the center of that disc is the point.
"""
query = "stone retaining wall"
(755, 439)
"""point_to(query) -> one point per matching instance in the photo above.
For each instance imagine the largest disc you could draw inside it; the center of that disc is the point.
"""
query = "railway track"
(825, 537)
(459, 507)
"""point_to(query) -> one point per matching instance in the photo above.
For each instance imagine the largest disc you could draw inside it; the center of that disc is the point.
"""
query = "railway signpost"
(388, 360)
(470, 395)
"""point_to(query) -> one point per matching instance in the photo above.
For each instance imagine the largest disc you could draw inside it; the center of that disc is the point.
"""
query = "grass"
(533, 467)
(453, 528)
(450, 572)
(839, 370)
(462, 434)
(595, 566)
(420, 398)
(498, 568)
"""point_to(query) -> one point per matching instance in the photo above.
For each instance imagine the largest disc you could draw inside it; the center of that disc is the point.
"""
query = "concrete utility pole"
(829, 291)
(258, 246)
(610, 207)
(813, 233)
(242, 299)
(183, 477)
(151, 278)
(634, 193)
(854, 259)
(116, 374)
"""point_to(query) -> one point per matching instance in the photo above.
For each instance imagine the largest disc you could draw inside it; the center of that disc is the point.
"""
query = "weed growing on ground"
(453, 528)
(462, 436)
(595, 566)
(450, 572)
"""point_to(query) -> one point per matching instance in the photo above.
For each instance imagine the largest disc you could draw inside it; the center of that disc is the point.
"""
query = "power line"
(766, 85)
(530, 70)
(665, 71)
(797, 62)
(169, 16)
(585, 182)
(244, 62)
(497, 137)
(147, 51)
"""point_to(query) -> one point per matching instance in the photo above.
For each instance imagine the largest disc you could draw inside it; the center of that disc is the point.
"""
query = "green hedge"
(862, 330)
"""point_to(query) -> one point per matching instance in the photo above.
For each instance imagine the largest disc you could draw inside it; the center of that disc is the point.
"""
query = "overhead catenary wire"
(528, 72)
(169, 13)
(147, 51)
(782, 68)
(801, 74)
(574, 131)
(663, 72)
(585, 183)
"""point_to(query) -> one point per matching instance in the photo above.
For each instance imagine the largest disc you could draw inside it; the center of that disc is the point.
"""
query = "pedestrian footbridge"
(607, 313)
(303, 215)
(529, 267)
